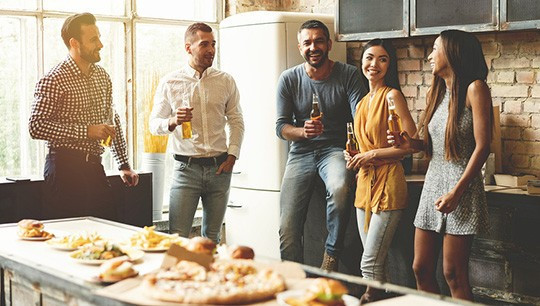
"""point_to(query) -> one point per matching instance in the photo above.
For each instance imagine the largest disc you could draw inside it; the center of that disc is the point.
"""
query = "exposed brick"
(420, 103)
(356, 54)
(511, 133)
(402, 78)
(491, 78)
(510, 91)
(535, 162)
(417, 52)
(530, 47)
(428, 78)
(531, 134)
(536, 63)
(489, 60)
(531, 106)
(520, 161)
(509, 48)
(490, 48)
(353, 44)
(525, 77)
(409, 91)
(535, 93)
(409, 65)
(514, 146)
(535, 121)
(505, 77)
(402, 53)
(410, 103)
(515, 120)
(426, 66)
(414, 78)
(506, 62)
(485, 37)
(512, 107)
(531, 147)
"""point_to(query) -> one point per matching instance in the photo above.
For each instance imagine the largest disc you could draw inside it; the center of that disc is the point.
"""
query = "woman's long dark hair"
(391, 78)
(464, 54)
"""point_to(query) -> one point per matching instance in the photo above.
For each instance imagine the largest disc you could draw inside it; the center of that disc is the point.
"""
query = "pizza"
(226, 282)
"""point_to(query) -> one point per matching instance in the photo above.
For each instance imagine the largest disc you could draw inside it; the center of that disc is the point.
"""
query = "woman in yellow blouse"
(381, 192)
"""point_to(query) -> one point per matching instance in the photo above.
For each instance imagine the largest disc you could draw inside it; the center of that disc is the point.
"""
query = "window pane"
(18, 4)
(104, 7)
(112, 59)
(200, 10)
(18, 63)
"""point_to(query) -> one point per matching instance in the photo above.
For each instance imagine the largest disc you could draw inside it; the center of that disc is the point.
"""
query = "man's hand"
(130, 177)
(183, 114)
(227, 165)
(101, 131)
(313, 128)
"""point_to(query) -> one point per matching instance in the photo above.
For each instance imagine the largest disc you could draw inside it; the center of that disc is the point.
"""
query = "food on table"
(149, 239)
(323, 291)
(201, 245)
(235, 252)
(30, 228)
(116, 269)
(98, 251)
(227, 282)
(75, 241)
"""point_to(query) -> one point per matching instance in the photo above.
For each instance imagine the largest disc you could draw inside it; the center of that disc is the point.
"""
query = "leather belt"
(77, 154)
(203, 161)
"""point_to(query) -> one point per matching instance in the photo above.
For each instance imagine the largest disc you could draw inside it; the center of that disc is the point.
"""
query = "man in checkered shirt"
(73, 111)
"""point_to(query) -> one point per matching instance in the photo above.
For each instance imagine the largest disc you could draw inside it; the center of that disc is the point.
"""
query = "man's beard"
(90, 57)
(318, 64)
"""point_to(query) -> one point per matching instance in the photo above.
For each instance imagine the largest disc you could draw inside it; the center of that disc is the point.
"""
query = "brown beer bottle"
(394, 122)
(351, 145)
(315, 110)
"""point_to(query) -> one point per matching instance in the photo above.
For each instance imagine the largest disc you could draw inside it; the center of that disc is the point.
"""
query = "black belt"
(203, 161)
(77, 154)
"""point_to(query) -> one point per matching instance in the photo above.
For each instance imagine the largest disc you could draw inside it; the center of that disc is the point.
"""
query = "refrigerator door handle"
(237, 172)
(232, 205)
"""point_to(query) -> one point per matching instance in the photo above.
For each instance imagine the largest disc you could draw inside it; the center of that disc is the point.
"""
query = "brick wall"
(514, 78)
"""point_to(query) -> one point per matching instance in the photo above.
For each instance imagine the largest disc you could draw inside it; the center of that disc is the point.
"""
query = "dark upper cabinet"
(433, 16)
(366, 19)
(520, 14)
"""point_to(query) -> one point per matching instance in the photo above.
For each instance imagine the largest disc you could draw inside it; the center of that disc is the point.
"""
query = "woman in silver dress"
(456, 136)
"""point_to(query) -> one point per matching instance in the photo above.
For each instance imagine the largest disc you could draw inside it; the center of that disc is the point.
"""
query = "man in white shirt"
(203, 163)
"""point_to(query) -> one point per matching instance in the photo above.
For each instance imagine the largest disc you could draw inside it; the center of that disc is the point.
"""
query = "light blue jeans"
(191, 182)
(299, 180)
(376, 241)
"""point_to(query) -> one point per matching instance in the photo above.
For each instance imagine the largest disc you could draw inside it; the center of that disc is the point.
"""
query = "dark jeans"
(75, 188)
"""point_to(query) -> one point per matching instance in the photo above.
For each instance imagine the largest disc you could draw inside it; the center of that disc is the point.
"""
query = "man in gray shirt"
(317, 145)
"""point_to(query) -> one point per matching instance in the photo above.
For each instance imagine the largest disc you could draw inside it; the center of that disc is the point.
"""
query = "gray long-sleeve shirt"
(338, 96)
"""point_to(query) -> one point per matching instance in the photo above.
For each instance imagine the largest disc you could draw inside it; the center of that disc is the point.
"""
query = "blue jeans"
(299, 180)
(376, 241)
(192, 182)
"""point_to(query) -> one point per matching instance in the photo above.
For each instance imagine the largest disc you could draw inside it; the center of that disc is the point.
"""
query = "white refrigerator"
(255, 47)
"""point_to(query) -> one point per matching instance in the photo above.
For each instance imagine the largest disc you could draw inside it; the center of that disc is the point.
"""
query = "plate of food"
(149, 240)
(115, 270)
(32, 230)
(323, 291)
(99, 252)
(74, 241)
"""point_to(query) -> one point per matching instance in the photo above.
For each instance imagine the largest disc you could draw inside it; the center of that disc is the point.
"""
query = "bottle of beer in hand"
(315, 110)
(351, 145)
(394, 122)
(186, 126)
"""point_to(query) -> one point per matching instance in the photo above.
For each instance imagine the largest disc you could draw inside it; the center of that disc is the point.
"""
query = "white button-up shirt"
(215, 101)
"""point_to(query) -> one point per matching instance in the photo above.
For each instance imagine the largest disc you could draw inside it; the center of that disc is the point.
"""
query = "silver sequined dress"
(470, 217)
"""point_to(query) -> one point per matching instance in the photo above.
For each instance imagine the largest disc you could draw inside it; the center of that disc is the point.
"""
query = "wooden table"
(34, 273)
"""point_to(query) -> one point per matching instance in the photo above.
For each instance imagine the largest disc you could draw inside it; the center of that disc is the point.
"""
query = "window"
(143, 40)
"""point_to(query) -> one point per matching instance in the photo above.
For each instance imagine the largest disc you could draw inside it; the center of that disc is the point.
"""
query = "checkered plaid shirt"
(66, 102)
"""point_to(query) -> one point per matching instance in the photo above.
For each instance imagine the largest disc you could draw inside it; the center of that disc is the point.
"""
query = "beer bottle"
(394, 122)
(351, 145)
(315, 110)
(109, 120)
(186, 126)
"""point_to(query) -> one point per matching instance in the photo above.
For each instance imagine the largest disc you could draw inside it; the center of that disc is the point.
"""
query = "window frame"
(129, 19)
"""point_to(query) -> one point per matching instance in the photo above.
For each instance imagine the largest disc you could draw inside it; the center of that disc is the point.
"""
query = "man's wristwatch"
(124, 167)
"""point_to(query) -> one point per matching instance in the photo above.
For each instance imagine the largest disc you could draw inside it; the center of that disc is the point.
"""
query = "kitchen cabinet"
(363, 20)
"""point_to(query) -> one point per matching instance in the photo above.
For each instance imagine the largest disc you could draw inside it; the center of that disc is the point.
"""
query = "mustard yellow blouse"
(378, 188)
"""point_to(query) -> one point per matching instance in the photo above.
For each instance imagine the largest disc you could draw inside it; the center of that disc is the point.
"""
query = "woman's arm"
(479, 100)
